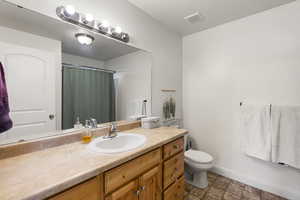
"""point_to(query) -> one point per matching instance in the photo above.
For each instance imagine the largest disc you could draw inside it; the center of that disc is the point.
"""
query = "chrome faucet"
(112, 132)
(93, 122)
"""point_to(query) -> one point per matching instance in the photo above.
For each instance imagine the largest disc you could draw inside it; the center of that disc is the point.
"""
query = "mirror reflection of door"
(30, 82)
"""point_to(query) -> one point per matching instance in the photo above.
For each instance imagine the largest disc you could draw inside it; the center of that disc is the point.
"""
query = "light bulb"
(118, 30)
(84, 39)
(70, 10)
(89, 17)
(105, 24)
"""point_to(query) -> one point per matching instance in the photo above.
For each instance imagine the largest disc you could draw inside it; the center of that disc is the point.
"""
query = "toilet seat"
(198, 156)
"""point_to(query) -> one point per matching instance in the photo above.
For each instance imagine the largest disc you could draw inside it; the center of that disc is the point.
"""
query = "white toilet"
(196, 165)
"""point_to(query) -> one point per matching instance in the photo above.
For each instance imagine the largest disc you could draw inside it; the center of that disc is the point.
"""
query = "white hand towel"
(285, 122)
(255, 127)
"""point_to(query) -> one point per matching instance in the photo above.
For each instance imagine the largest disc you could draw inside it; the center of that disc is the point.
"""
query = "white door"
(30, 75)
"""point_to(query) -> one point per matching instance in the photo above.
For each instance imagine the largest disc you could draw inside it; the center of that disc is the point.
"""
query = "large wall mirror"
(53, 81)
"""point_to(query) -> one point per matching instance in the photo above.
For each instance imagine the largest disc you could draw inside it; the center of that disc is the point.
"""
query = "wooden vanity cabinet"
(156, 175)
(173, 170)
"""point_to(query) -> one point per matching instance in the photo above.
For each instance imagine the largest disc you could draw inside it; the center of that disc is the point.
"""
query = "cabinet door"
(129, 191)
(122, 174)
(150, 185)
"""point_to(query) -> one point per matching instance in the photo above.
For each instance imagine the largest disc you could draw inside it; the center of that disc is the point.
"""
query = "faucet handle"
(113, 126)
(94, 122)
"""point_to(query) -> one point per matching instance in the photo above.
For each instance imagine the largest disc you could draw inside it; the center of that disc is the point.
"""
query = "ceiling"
(103, 47)
(212, 12)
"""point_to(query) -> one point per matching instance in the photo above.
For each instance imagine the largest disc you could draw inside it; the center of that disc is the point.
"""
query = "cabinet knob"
(143, 188)
(137, 193)
(175, 146)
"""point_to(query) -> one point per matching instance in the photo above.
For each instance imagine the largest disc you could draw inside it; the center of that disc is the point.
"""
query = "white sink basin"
(121, 143)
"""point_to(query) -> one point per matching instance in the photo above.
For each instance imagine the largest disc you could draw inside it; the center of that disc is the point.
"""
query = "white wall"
(133, 80)
(145, 32)
(79, 60)
(37, 42)
(254, 60)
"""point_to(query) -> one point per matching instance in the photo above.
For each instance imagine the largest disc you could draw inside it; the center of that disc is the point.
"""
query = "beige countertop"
(40, 174)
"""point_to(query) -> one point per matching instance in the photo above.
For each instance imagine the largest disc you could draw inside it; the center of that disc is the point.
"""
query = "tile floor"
(222, 188)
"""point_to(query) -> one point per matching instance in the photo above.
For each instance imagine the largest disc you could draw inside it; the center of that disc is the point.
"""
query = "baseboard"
(275, 189)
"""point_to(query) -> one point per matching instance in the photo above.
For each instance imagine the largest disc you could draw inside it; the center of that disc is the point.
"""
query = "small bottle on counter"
(77, 125)
(87, 135)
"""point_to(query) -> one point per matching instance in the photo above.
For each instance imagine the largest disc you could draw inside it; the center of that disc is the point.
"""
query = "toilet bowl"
(196, 165)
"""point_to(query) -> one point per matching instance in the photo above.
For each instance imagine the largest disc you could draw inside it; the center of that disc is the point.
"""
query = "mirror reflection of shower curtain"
(87, 93)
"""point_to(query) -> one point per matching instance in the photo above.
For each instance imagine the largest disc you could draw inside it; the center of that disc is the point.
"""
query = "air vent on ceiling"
(194, 18)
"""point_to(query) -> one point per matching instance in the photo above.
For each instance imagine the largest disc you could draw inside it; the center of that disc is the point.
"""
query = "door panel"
(30, 76)
(150, 184)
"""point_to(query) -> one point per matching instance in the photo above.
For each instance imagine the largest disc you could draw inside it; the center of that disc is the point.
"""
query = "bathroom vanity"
(155, 175)
(151, 172)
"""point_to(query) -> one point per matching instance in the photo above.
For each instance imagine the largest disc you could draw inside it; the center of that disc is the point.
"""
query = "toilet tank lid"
(198, 156)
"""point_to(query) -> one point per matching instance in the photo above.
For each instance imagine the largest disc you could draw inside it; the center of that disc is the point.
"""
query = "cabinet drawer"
(89, 190)
(173, 168)
(118, 176)
(172, 148)
(175, 191)
(128, 191)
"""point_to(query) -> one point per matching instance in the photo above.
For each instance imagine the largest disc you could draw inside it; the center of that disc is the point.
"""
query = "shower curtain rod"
(87, 68)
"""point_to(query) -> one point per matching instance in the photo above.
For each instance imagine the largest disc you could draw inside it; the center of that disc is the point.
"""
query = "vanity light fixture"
(69, 10)
(68, 13)
(105, 23)
(117, 30)
(88, 18)
(84, 39)
(104, 27)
